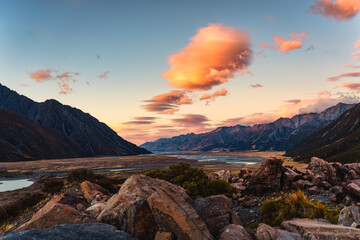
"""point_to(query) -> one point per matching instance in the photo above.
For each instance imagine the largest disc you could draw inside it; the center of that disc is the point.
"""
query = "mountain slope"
(95, 137)
(23, 139)
(338, 141)
(280, 135)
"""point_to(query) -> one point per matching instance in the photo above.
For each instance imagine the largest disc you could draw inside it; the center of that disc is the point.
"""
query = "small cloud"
(270, 18)
(310, 48)
(356, 55)
(63, 79)
(285, 45)
(349, 74)
(192, 122)
(351, 86)
(339, 10)
(97, 56)
(222, 92)
(104, 75)
(293, 101)
(350, 65)
(167, 103)
(325, 92)
(357, 44)
(25, 85)
(257, 85)
(87, 83)
(261, 52)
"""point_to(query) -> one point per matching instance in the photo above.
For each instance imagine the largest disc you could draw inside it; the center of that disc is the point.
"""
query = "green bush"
(81, 175)
(296, 205)
(193, 180)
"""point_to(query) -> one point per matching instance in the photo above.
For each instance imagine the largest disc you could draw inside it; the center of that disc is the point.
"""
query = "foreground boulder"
(267, 179)
(323, 170)
(168, 210)
(54, 213)
(175, 214)
(93, 231)
(216, 212)
(313, 229)
(234, 232)
(350, 216)
(265, 232)
(92, 190)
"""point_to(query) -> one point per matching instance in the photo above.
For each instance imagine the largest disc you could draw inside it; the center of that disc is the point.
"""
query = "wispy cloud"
(104, 75)
(211, 97)
(167, 103)
(257, 85)
(286, 45)
(343, 75)
(293, 101)
(63, 79)
(339, 9)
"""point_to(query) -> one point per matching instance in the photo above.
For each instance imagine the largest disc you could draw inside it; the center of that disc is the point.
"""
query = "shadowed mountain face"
(23, 139)
(339, 141)
(283, 134)
(94, 137)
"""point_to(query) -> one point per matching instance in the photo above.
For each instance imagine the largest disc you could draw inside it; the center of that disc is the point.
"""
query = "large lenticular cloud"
(213, 56)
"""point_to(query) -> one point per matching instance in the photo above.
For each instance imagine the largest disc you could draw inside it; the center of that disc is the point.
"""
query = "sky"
(152, 69)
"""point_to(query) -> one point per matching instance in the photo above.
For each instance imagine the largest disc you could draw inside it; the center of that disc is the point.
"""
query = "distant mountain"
(339, 141)
(281, 135)
(95, 137)
(23, 139)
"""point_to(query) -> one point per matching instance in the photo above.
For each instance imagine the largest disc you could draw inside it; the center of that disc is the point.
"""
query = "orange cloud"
(264, 45)
(357, 44)
(349, 74)
(41, 76)
(25, 85)
(351, 86)
(350, 65)
(289, 45)
(222, 92)
(325, 92)
(141, 121)
(192, 122)
(63, 79)
(213, 56)
(104, 75)
(356, 55)
(339, 10)
(167, 103)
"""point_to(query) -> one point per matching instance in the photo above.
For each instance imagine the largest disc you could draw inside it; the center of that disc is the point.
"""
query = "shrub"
(80, 175)
(296, 205)
(52, 185)
(193, 180)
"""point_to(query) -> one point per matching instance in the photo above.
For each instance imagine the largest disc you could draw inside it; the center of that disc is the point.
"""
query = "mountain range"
(89, 136)
(337, 142)
(281, 135)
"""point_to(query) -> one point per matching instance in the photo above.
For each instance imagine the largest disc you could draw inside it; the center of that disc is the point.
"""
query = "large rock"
(129, 209)
(350, 216)
(265, 232)
(313, 229)
(93, 231)
(267, 178)
(324, 169)
(234, 232)
(289, 176)
(216, 212)
(92, 190)
(173, 213)
(74, 197)
(353, 188)
(54, 213)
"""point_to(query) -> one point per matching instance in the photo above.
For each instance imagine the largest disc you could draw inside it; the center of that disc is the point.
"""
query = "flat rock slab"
(313, 229)
(93, 231)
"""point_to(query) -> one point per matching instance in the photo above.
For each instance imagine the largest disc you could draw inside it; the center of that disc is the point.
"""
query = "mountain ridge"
(280, 135)
(96, 137)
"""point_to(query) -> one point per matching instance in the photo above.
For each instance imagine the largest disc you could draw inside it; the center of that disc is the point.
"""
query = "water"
(228, 159)
(10, 185)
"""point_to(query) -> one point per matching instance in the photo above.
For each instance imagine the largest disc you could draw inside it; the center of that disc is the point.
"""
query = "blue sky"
(134, 40)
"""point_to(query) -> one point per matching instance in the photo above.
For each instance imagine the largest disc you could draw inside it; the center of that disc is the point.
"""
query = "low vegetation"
(80, 175)
(193, 180)
(296, 205)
